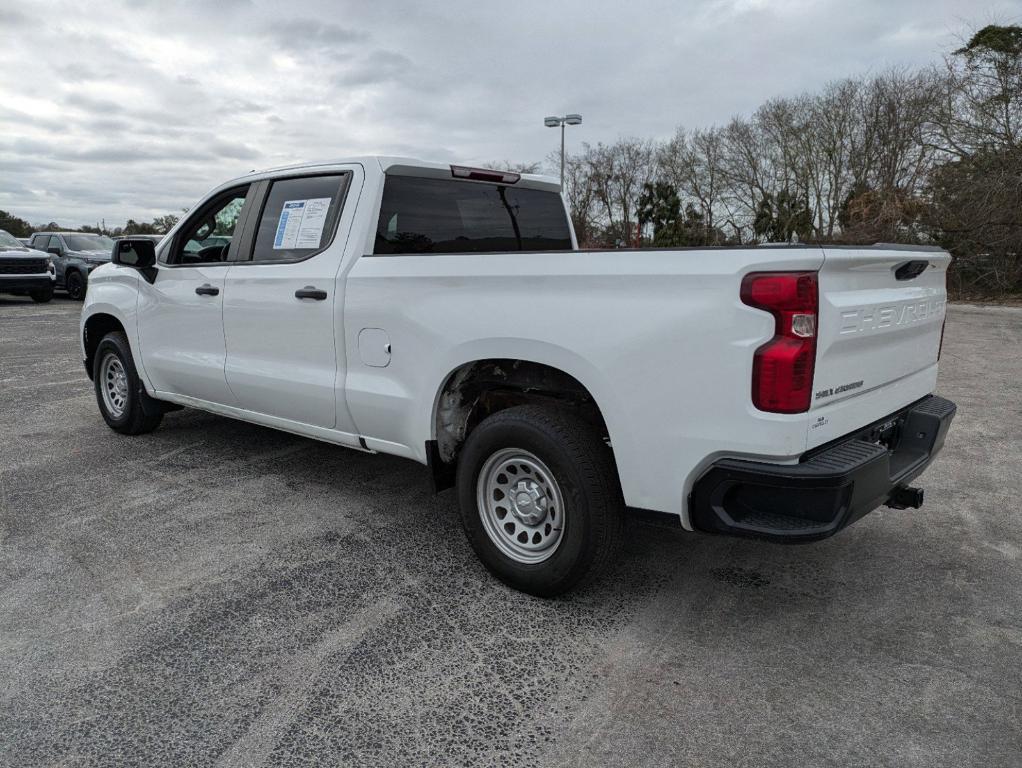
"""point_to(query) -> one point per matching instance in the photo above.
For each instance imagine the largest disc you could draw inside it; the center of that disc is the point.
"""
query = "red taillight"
(782, 369)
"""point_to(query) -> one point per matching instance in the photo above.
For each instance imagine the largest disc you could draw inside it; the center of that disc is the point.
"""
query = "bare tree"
(976, 194)
(693, 164)
(981, 104)
(580, 194)
(617, 174)
(507, 165)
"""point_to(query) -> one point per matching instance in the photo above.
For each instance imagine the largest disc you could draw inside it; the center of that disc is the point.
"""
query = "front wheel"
(540, 499)
(74, 284)
(42, 295)
(123, 401)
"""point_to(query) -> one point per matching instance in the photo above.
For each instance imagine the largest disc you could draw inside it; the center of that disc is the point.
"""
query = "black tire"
(140, 413)
(74, 284)
(582, 466)
(42, 295)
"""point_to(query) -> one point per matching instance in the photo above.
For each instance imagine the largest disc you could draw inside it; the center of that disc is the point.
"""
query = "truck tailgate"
(880, 320)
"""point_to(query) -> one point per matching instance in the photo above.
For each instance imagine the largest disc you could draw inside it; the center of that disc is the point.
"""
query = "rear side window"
(420, 215)
(299, 217)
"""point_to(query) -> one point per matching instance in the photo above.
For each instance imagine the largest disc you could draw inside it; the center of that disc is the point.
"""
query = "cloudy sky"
(111, 110)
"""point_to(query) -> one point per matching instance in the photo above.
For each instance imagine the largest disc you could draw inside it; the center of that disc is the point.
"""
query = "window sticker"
(301, 223)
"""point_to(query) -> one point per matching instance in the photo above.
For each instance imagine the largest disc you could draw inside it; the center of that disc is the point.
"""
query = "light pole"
(553, 122)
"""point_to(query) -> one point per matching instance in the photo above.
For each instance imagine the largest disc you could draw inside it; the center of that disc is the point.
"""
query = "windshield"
(7, 240)
(88, 242)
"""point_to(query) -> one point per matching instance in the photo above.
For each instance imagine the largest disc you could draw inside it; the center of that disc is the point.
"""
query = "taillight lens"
(782, 369)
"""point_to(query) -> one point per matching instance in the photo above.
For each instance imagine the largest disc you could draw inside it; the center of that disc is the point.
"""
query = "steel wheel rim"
(113, 384)
(520, 505)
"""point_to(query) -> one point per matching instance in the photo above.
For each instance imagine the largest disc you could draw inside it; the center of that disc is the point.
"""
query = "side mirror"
(54, 250)
(138, 254)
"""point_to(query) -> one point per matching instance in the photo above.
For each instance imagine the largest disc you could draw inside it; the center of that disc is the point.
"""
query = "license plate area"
(886, 434)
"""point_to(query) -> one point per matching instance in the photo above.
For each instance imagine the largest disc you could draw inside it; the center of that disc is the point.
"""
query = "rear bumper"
(25, 282)
(831, 488)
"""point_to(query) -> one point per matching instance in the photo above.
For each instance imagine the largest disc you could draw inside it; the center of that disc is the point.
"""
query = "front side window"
(299, 217)
(206, 238)
(425, 215)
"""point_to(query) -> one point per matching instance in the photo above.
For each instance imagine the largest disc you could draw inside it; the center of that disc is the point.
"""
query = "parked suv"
(24, 271)
(75, 255)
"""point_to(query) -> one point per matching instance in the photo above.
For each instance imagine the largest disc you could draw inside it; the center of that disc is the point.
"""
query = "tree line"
(160, 225)
(924, 157)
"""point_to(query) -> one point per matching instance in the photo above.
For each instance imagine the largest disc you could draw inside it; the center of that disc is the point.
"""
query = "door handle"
(207, 290)
(310, 292)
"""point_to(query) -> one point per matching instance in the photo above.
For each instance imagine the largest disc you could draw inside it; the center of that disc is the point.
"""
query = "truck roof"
(408, 166)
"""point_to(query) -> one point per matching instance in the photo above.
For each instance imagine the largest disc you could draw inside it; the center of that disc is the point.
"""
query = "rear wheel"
(122, 398)
(42, 295)
(74, 284)
(539, 498)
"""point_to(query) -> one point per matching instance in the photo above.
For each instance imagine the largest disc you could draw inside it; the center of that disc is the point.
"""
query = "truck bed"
(659, 337)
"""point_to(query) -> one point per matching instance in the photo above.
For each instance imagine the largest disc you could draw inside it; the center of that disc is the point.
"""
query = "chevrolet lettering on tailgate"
(877, 316)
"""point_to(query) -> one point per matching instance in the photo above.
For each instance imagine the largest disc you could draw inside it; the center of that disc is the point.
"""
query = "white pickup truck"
(445, 314)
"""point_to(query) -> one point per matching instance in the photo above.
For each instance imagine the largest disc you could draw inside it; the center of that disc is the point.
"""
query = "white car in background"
(444, 314)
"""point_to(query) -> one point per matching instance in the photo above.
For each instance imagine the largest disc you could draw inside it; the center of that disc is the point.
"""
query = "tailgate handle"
(910, 269)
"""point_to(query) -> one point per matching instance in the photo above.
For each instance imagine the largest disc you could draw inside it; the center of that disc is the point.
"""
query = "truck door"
(283, 301)
(180, 314)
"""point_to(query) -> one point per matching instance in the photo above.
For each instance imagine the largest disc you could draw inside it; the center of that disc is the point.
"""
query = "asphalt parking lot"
(217, 593)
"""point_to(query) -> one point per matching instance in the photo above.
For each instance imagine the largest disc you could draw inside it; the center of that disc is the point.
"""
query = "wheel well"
(481, 388)
(96, 327)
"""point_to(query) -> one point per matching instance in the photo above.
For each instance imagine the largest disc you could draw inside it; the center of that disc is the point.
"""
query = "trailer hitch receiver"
(905, 497)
